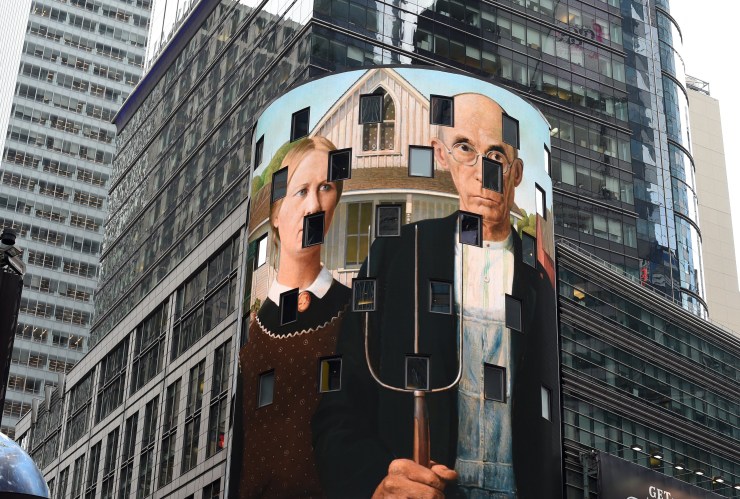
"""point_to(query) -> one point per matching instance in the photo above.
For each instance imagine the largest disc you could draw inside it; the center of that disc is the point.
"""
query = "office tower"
(185, 258)
(714, 205)
(79, 61)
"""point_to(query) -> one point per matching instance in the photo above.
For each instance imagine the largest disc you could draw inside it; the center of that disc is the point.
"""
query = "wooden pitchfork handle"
(421, 429)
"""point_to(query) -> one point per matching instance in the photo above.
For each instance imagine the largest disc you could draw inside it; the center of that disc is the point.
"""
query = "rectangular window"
(212, 490)
(541, 201)
(546, 396)
(340, 165)
(442, 110)
(92, 471)
(371, 107)
(261, 252)
(313, 229)
(192, 416)
(494, 383)
(470, 228)
(417, 372)
(77, 477)
(513, 313)
(289, 306)
(529, 250)
(169, 432)
(388, 220)
(109, 465)
(493, 175)
(219, 397)
(149, 347)
(266, 389)
(421, 161)
(511, 131)
(279, 184)
(359, 219)
(148, 436)
(440, 297)
(127, 456)
(258, 149)
(299, 124)
(363, 295)
(112, 379)
(330, 374)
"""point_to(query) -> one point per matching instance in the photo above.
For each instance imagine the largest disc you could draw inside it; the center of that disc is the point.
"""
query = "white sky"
(710, 33)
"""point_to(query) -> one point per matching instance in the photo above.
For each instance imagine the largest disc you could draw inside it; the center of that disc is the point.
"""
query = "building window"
(92, 471)
(510, 131)
(289, 306)
(548, 162)
(380, 136)
(146, 462)
(421, 161)
(417, 372)
(493, 175)
(266, 390)
(212, 490)
(299, 124)
(513, 313)
(494, 383)
(471, 229)
(192, 416)
(441, 110)
(80, 399)
(261, 252)
(63, 481)
(363, 295)
(76, 491)
(529, 250)
(169, 433)
(149, 347)
(313, 229)
(541, 201)
(218, 412)
(112, 379)
(330, 374)
(258, 150)
(109, 466)
(440, 297)
(279, 186)
(127, 456)
(371, 108)
(388, 220)
(359, 219)
(546, 396)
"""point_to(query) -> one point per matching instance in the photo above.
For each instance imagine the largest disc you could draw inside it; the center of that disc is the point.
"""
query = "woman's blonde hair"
(292, 161)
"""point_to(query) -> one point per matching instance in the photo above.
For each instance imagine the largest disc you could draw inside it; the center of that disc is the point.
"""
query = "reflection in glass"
(266, 389)
(289, 306)
(417, 372)
(421, 161)
(471, 229)
(494, 383)
(313, 229)
(442, 110)
(493, 175)
(340, 165)
(279, 184)
(388, 220)
(440, 297)
(330, 374)
(363, 295)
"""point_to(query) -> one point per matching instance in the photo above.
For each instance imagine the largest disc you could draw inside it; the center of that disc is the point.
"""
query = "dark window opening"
(340, 165)
(471, 229)
(541, 200)
(493, 175)
(546, 396)
(494, 383)
(529, 250)
(258, 148)
(388, 220)
(511, 131)
(289, 306)
(299, 124)
(279, 184)
(513, 313)
(417, 372)
(313, 229)
(440, 301)
(442, 110)
(371, 108)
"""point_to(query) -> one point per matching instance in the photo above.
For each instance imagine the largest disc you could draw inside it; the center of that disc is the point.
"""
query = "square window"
(513, 313)
(340, 165)
(493, 175)
(494, 383)
(440, 297)
(548, 162)
(330, 374)
(299, 124)
(546, 396)
(266, 389)
(388, 220)
(529, 250)
(289, 306)
(261, 252)
(511, 131)
(540, 199)
(417, 372)
(471, 229)
(313, 229)
(371, 109)
(279, 184)
(441, 110)
(421, 161)
(363, 295)
(258, 148)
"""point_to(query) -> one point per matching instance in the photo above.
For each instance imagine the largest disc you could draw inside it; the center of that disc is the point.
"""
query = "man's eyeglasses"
(464, 153)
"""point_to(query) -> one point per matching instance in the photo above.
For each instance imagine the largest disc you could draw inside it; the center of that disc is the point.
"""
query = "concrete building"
(713, 189)
(78, 63)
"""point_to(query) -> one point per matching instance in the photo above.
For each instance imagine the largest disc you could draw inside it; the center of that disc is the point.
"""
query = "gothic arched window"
(381, 136)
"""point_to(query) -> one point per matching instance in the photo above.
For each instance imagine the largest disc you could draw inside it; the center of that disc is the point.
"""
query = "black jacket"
(360, 429)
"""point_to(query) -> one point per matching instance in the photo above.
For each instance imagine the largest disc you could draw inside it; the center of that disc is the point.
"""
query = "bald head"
(479, 126)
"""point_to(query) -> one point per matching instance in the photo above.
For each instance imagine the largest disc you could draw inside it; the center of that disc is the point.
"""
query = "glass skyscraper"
(80, 59)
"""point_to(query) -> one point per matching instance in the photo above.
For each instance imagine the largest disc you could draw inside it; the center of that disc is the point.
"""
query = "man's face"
(478, 124)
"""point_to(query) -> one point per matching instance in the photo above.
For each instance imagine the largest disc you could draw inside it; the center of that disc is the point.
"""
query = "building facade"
(79, 62)
(714, 205)
(178, 270)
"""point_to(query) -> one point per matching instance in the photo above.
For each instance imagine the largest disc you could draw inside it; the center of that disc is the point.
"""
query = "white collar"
(318, 287)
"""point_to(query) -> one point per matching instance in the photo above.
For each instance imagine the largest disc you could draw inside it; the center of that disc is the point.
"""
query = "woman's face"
(308, 192)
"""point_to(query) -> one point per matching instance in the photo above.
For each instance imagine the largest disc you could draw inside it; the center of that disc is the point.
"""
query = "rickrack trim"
(297, 333)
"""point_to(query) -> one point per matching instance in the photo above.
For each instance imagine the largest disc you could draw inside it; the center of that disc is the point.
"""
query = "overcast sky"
(710, 33)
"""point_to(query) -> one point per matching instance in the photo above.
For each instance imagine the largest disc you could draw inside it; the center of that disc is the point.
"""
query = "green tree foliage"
(527, 224)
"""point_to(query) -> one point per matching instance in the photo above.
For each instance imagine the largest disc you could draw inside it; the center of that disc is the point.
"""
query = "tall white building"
(79, 60)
